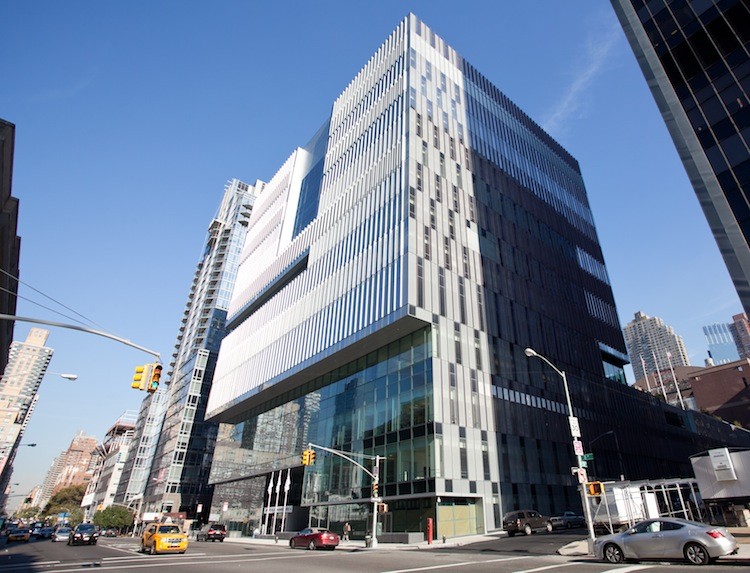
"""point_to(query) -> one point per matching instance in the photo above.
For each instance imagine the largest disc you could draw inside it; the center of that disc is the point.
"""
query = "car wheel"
(291, 544)
(221, 540)
(527, 529)
(549, 527)
(311, 547)
(613, 553)
(143, 548)
(696, 554)
(511, 533)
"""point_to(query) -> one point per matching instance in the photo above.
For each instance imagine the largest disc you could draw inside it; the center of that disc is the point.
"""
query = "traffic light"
(375, 489)
(153, 381)
(305, 457)
(139, 379)
(595, 488)
(311, 453)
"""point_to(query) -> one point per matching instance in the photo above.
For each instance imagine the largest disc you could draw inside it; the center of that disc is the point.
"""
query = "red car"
(315, 538)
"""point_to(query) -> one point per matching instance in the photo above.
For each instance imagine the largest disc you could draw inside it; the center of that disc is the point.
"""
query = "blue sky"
(131, 116)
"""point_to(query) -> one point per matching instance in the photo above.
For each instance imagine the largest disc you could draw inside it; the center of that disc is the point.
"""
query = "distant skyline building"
(10, 242)
(27, 365)
(395, 271)
(49, 483)
(695, 58)
(110, 461)
(182, 461)
(78, 462)
(740, 327)
(721, 345)
(652, 345)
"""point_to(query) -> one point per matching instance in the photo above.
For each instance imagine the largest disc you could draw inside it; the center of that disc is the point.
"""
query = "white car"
(61, 534)
(667, 538)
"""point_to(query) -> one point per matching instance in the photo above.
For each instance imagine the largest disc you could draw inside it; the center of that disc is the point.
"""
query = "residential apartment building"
(394, 272)
(182, 460)
(740, 327)
(110, 461)
(27, 365)
(652, 345)
(696, 60)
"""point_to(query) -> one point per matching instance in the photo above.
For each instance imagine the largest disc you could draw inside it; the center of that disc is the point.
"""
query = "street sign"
(582, 476)
(575, 429)
(578, 447)
(588, 457)
(584, 464)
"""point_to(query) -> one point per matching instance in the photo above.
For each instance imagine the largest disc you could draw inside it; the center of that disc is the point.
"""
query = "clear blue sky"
(131, 116)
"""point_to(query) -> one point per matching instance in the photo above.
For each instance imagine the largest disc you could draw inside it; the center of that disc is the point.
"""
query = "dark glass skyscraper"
(695, 55)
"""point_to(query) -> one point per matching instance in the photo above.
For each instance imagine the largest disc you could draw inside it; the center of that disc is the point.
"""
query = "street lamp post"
(575, 433)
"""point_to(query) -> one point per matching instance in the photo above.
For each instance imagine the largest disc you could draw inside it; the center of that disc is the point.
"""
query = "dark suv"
(526, 521)
(84, 533)
(212, 532)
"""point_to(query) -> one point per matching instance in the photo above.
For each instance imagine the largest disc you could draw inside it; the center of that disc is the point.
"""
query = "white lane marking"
(547, 567)
(452, 565)
(630, 568)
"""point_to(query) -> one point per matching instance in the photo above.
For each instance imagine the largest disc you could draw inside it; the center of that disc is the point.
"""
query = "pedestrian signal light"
(138, 378)
(153, 383)
(595, 488)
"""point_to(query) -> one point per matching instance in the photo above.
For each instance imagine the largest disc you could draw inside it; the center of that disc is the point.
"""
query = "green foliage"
(114, 516)
(67, 500)
(27, 512)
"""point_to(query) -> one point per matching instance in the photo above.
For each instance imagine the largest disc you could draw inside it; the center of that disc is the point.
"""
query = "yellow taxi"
(163, 538)
(19, 534)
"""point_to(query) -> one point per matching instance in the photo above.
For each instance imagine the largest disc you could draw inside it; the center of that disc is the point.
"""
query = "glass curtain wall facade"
(451, 233)
(695, 56)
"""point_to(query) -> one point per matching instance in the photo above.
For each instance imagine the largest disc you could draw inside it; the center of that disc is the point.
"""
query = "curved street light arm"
(82, 329)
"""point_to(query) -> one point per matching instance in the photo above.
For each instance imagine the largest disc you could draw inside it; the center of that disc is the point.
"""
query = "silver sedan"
(667, 538)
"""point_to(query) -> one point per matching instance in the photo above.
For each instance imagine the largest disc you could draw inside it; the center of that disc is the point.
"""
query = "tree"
(67, 500)
(114, 516)
(27, 512)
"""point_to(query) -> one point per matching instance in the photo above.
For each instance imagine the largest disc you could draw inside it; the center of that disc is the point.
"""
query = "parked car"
(61, 533)
(84, 534)
(19, 534)
(163, 538)
(667, 538)
(110, 532)
(315, 538)
(212, 532)
(526, 521)
(46, 532)
(567, 520)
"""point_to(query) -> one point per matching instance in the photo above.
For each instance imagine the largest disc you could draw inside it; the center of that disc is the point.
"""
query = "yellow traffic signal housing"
(595, 488)
(375, 489)
(305, 457)
(153, 381)
(139, 379)
(311, 453)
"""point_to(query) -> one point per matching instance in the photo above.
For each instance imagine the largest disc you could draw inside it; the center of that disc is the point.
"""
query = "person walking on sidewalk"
(347, 531)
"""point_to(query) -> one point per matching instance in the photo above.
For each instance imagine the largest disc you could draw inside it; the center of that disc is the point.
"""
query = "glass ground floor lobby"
(380, 404)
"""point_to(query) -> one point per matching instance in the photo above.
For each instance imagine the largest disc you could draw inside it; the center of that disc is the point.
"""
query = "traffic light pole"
(374, 474)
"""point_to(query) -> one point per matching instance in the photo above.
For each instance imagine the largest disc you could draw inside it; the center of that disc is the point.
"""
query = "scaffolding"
(624, 503)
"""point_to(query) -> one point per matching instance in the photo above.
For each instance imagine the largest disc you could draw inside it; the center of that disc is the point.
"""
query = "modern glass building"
(178, 479)
(721, 345)
(695, 55)
(394, 271)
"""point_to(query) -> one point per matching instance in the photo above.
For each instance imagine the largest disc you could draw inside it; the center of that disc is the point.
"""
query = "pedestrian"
(347, 531)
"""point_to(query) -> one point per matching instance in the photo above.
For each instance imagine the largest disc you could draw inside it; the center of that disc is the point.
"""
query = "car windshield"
(168, 529)
(86, 527)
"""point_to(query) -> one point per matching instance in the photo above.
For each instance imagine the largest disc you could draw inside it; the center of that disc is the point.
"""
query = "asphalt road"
(500, 555)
